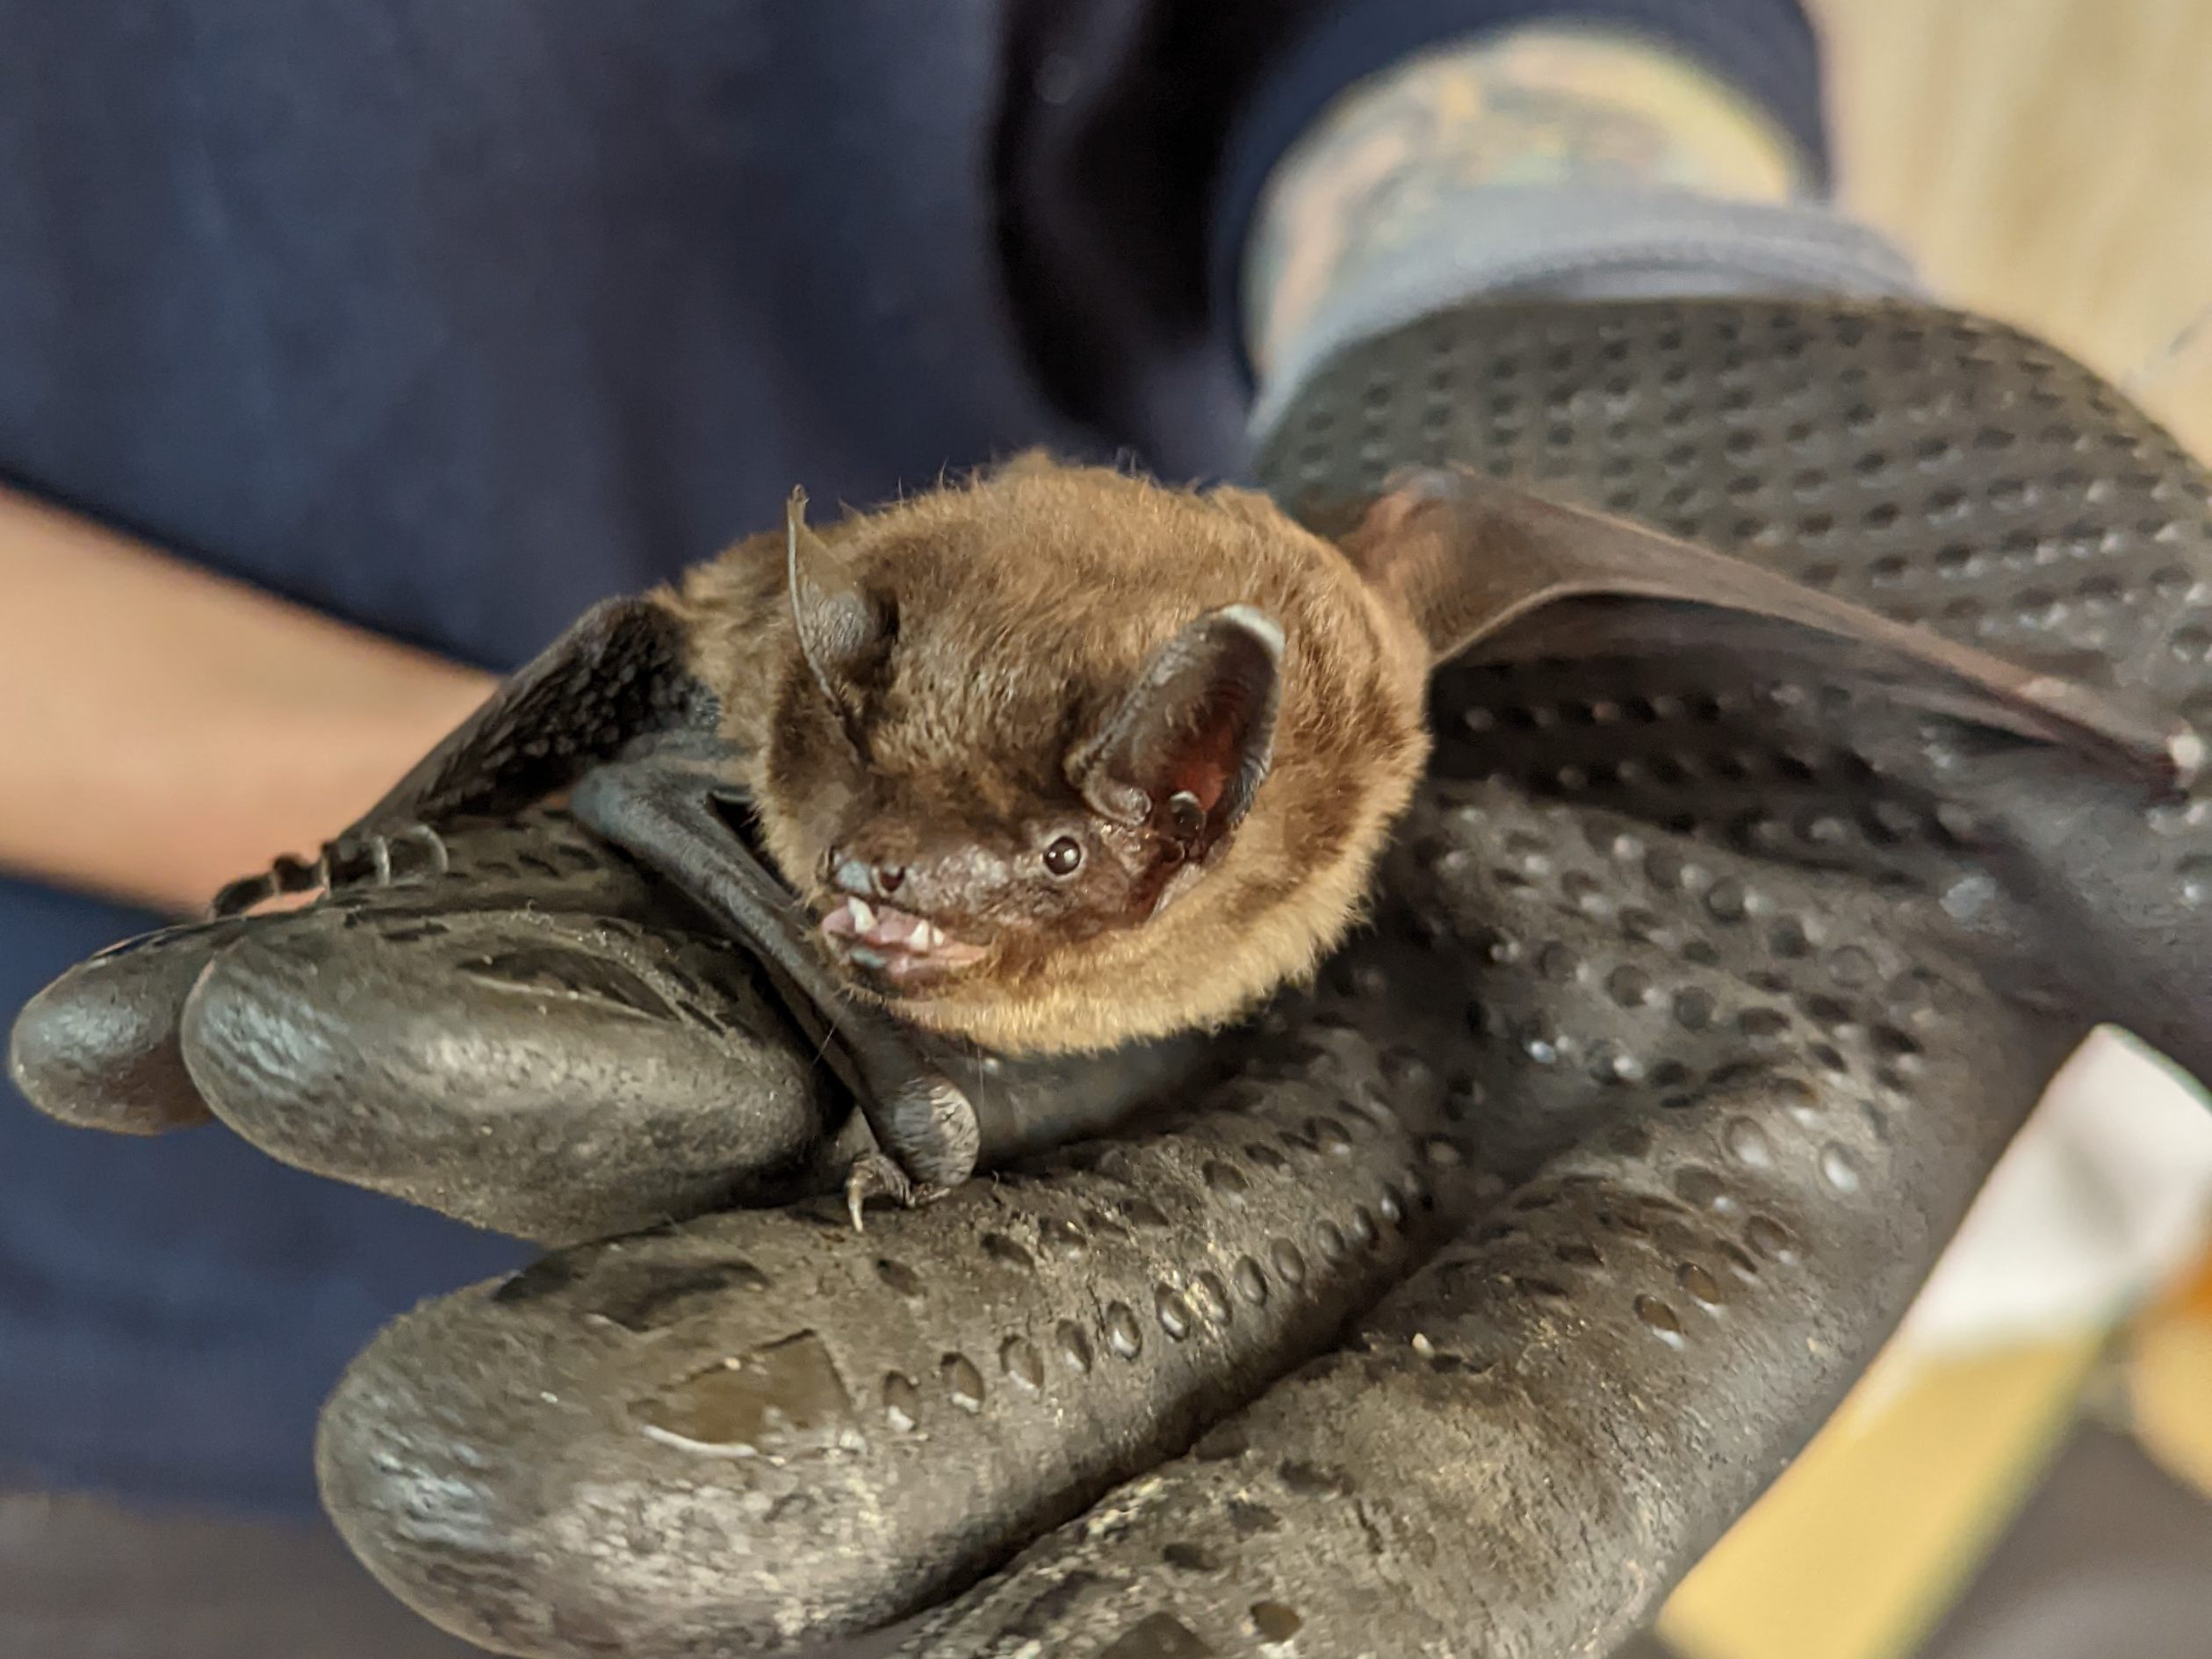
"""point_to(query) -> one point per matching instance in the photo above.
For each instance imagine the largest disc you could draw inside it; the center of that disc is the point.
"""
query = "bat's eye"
(1064, 856)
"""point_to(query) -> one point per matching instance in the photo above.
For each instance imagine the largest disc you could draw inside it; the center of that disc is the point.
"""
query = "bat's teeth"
(925, 936)
(863, 916)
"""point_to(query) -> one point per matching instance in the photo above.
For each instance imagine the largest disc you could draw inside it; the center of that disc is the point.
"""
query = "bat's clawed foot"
(873, 1175)
(353, 858)
(375, 857)
(925, 1129)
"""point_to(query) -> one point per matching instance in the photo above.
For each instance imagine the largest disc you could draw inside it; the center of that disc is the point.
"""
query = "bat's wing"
(619, 673)
(1492, 572)
(662, 806)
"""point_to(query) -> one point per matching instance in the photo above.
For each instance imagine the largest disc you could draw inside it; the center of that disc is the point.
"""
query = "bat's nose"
(850, 874)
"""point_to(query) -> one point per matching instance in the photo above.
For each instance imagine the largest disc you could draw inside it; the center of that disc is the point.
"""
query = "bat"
(1057, 757)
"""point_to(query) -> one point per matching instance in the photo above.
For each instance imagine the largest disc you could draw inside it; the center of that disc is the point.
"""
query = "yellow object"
(1864, 1544)
(2170, 1380)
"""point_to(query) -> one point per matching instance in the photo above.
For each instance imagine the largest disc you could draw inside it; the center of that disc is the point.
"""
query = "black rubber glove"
(1456, 1307)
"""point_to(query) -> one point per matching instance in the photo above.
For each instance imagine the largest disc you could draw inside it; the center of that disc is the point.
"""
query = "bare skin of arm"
(165, 729)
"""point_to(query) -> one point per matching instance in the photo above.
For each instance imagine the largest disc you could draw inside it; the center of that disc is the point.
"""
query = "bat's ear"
(1190, 744)
(841, 626)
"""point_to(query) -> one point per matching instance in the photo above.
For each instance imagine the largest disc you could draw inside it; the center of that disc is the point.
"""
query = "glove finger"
(761, 1429)
(558, 1077)
(98, 1047)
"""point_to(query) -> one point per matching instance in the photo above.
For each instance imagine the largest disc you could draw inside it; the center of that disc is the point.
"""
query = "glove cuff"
(1590, 242)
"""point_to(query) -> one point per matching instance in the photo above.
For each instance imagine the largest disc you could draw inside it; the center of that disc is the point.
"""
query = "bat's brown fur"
(1028, 601)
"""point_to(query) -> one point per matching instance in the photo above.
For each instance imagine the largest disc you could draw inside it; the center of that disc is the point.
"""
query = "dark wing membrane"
(619, 673)
(1492, 572)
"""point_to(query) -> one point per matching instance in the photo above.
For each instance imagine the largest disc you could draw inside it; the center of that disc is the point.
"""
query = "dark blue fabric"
(452, 318)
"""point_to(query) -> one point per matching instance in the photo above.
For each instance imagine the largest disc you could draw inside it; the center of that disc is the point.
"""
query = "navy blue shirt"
(451, 319)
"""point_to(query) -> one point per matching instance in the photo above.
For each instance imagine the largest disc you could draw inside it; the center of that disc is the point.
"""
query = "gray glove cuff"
(1592, 242)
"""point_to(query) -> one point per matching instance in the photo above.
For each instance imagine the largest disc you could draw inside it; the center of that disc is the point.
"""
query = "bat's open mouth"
(895, 947)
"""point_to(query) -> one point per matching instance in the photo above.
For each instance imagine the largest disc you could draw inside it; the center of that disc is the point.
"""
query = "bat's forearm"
(164, 730)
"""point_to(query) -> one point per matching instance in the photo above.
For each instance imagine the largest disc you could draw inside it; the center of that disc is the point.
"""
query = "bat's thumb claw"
(875, 1176)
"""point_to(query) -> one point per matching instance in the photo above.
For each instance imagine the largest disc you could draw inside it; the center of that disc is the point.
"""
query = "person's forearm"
(1399, 163)
(164, 730)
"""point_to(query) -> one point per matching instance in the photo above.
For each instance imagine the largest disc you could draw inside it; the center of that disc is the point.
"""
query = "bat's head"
(987, 762)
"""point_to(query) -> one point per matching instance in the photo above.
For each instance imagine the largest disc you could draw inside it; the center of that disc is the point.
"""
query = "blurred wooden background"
(2049, 161)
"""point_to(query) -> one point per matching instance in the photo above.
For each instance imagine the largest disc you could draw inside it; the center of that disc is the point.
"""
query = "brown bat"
(1059, 759)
